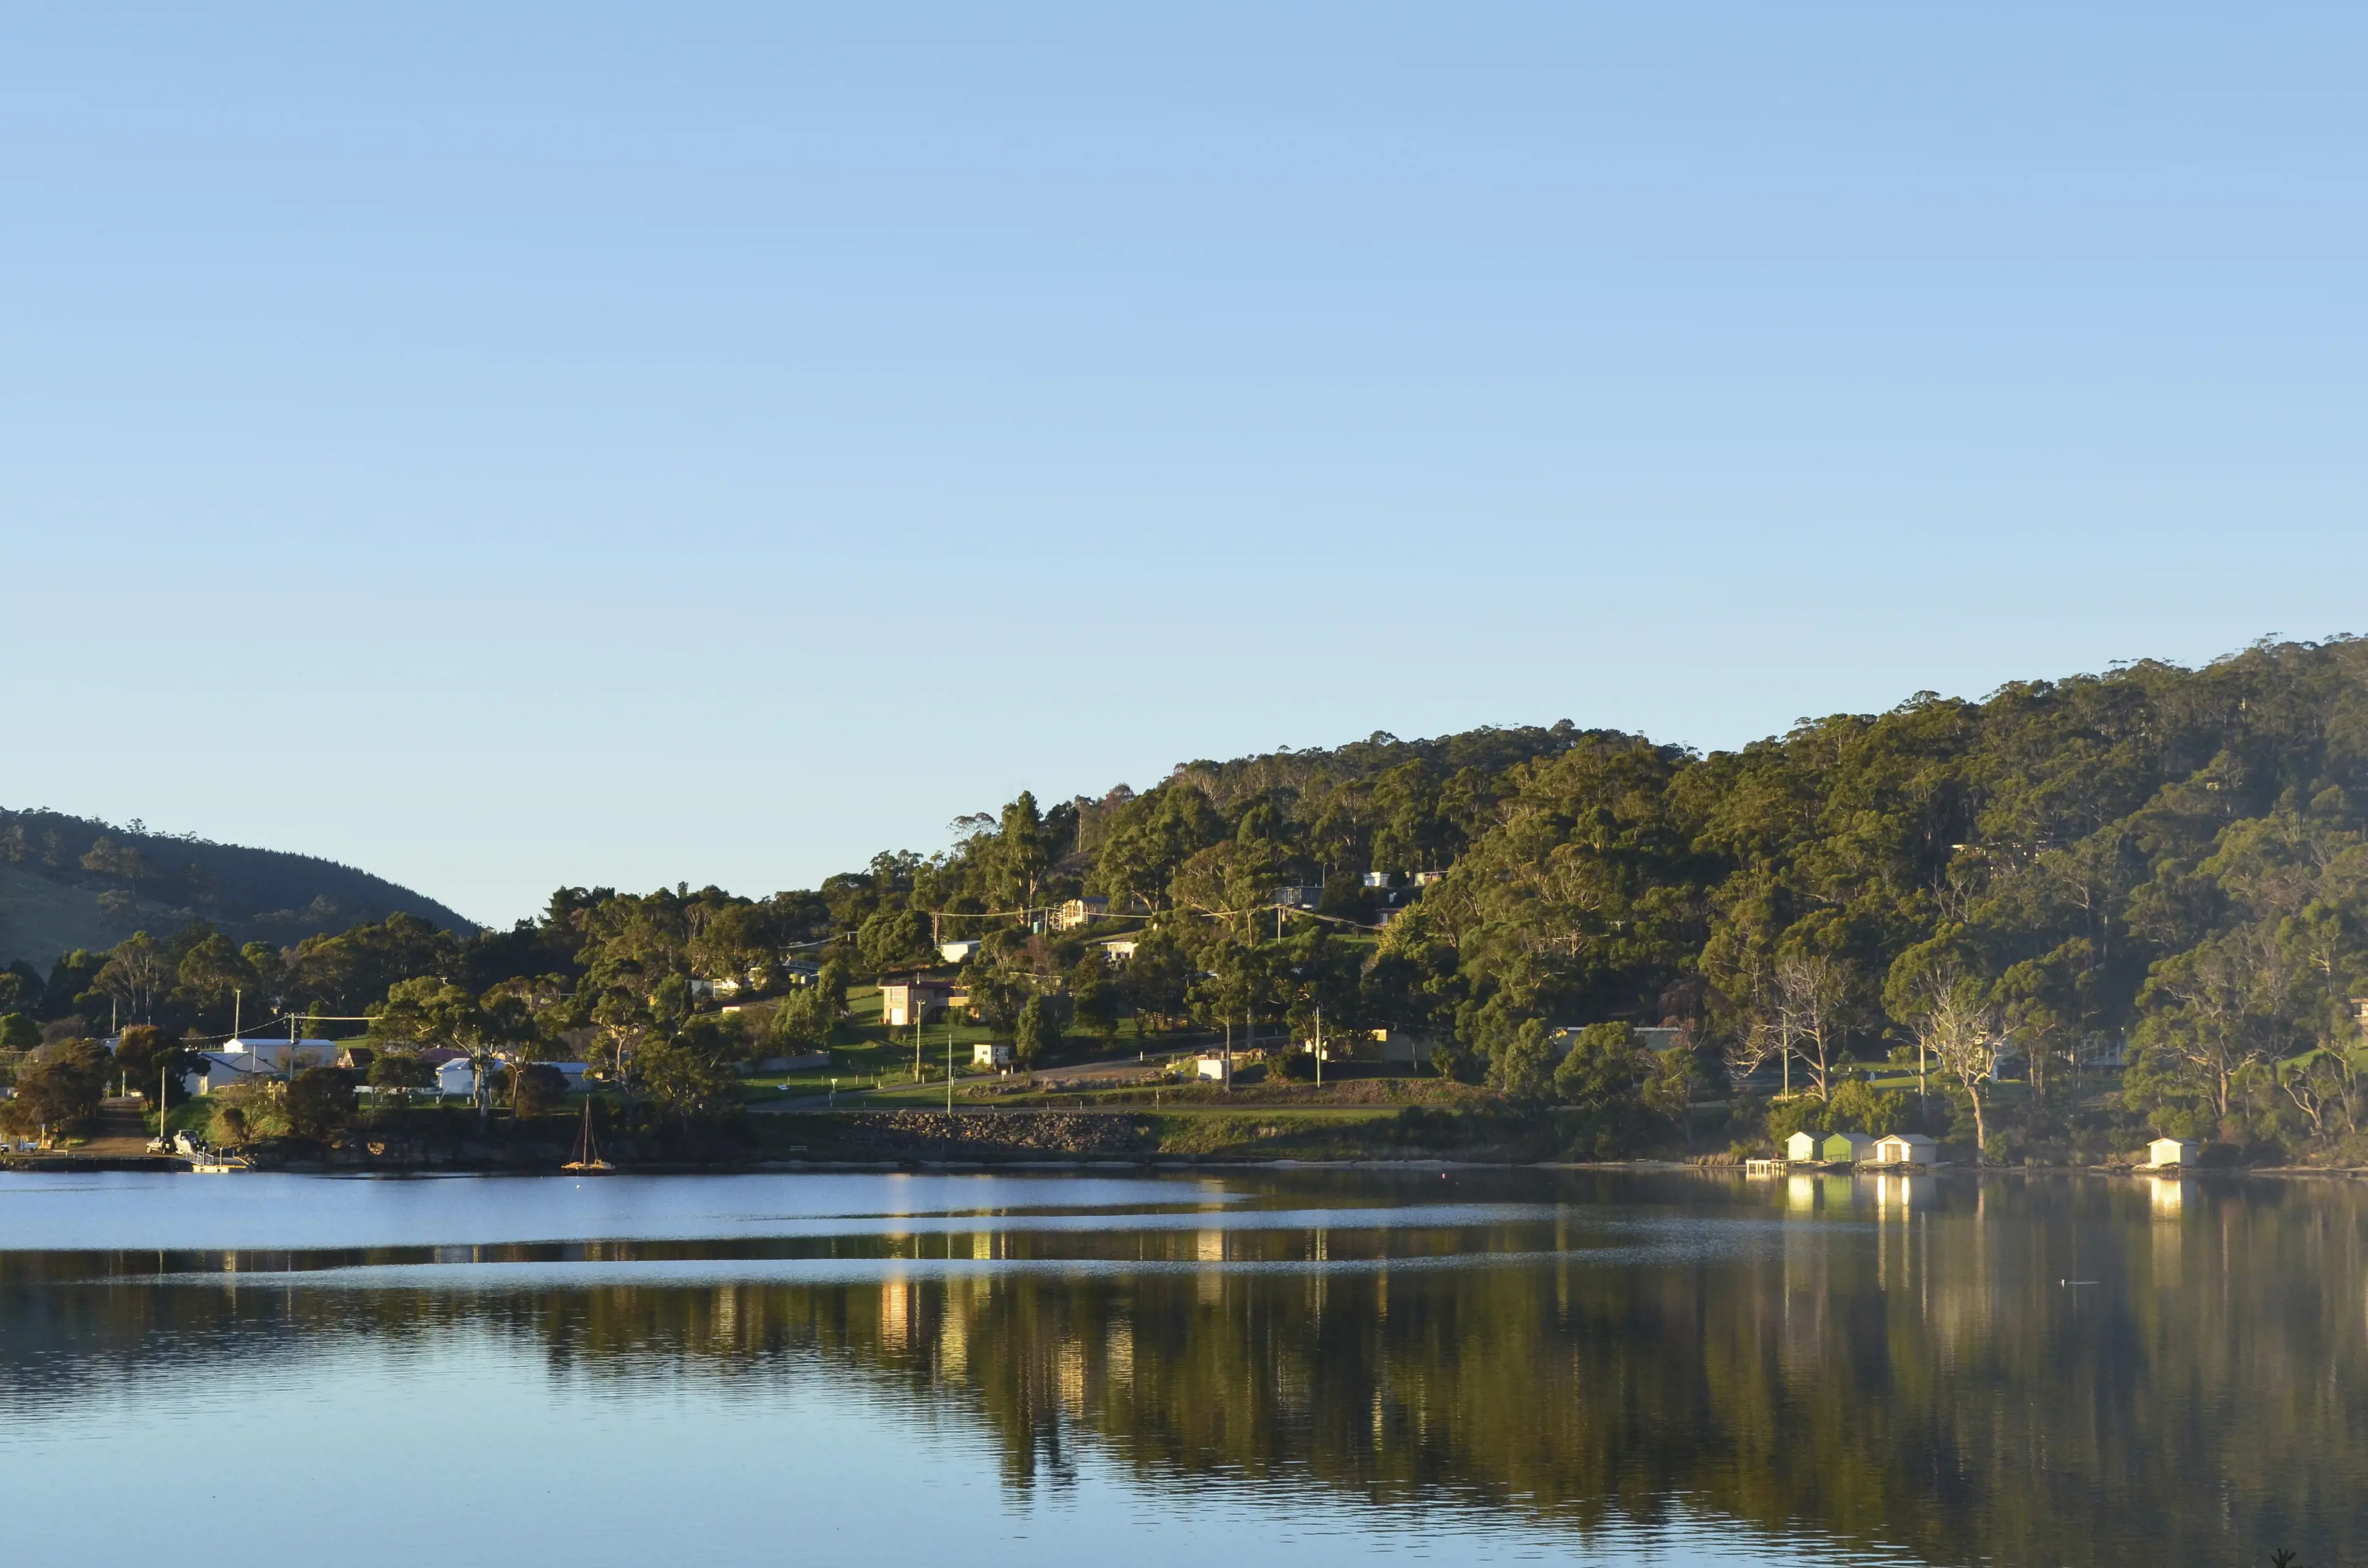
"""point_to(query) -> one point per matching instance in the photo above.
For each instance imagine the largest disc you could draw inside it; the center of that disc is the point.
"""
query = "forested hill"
(69, 882)
(2170, 860)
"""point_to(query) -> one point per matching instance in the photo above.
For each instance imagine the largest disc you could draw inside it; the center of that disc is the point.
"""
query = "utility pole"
(1319, 1045)
(949, 1064)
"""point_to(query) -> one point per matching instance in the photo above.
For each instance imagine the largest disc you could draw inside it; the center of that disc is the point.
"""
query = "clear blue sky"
(505, 446)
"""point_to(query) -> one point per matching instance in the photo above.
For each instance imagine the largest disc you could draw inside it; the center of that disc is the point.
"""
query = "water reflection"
(2066, 1372)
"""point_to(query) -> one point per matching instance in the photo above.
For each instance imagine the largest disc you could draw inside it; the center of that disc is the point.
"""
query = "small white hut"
(1801, 1146)
(458, 1076)
(1906, 1149)
(2172, 1152)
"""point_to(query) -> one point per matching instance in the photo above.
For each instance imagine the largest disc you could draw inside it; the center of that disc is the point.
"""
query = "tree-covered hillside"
(2159, 861)
(72, 882)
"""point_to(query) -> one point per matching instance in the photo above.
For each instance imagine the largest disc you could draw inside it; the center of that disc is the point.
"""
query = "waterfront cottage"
(1849, 1148)
(2172, 1152)
(1801, 1146)
(1906, 1149)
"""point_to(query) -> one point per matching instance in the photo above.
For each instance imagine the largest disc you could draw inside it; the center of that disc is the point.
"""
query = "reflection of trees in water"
(1928, 1383)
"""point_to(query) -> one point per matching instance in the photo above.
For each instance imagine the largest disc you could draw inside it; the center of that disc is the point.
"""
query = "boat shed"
(2172, 1152)
(1906, 1149)
(1801, 1146)
(1849, 1148)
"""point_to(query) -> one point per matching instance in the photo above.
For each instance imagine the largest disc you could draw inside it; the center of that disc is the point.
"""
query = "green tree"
(320, 1100)
(1604, 1070)
(894, 938)
(1036, 1032)
(58, 1089)
(689, 1073)
(146, 1056)
(137, 974)
(1524, 1067)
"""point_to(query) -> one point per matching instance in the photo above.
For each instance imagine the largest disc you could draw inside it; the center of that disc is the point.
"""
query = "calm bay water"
(1300, 1368)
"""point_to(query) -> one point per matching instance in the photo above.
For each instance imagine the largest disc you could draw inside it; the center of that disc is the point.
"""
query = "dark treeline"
(2157, 860)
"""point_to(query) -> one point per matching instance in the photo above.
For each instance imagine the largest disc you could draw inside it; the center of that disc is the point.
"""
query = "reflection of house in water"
(1898, 1190)
(2167, 1198)
(1209, 1248)
(896, 1313)
(1803, 1193)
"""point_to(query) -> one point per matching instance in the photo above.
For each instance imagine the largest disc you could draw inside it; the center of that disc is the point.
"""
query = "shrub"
(320, 1100)
(537, 1088)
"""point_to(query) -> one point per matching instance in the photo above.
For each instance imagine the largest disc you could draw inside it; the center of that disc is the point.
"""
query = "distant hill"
(70, 882)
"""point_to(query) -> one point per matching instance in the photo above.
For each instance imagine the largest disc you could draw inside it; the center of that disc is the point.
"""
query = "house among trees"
(903, 1003)
(958, 952)
(1118, 951)
(1077, 911)
(1906, 1149)
(1296, 897)
(1425, 878)
(276, 1054)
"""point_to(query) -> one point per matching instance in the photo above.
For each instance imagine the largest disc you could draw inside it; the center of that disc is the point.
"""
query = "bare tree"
(1811, 994)
(1961, 1034)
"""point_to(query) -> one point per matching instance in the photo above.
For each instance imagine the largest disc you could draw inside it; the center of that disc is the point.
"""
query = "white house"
(458, 1076)
(958, 952)
(1801, 1146)
(1906, 1149)
(1120, 950)
(1425, 878)
(903, 1003)
(1380, 879)
(221, 1069)
(274, 1053)
(994, 1054)
(1211, 1067)
(2172, 1152)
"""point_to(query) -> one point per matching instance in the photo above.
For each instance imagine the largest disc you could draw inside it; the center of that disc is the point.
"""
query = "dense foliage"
(2158, 860)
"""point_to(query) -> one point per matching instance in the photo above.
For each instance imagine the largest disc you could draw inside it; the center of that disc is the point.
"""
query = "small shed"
(1211, 1067)
(2172, 1152)
(995, 1053)
(1848, 1148)
(458, 1076)
(1801, 1146)
(1906, 1149)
